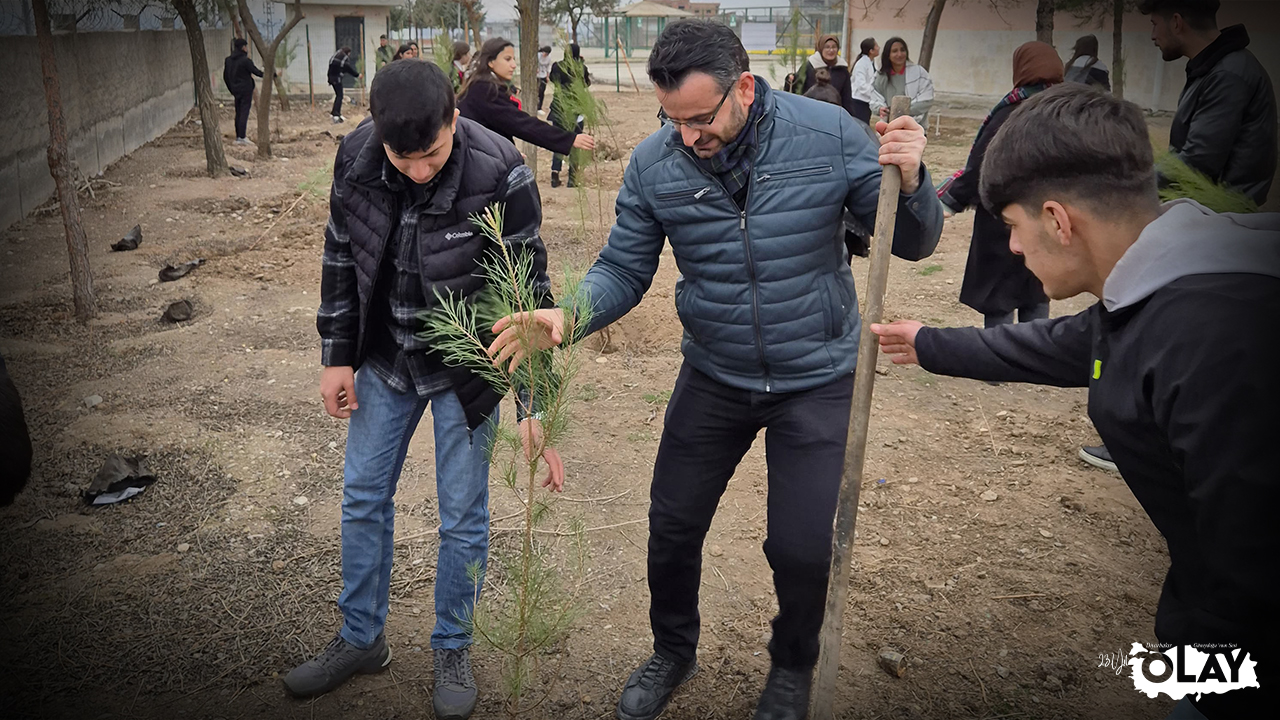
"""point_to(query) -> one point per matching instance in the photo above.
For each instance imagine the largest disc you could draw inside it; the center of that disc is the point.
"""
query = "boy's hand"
(541, 329)
(531, 438)
(338, 388)
(898, 340)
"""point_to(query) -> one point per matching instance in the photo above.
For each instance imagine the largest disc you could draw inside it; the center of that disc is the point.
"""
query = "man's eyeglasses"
(696, 124)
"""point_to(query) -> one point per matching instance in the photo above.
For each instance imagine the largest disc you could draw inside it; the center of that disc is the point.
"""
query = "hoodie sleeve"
(1046, 352)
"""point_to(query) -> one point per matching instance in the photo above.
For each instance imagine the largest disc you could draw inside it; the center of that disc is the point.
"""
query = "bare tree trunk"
(573, 26)
(281, 92)
(214, 158)
(1044, 21)
(1117, 50)
(474, 20)
(930, 33)
(60, 167)
(268, 53)
(530, 17)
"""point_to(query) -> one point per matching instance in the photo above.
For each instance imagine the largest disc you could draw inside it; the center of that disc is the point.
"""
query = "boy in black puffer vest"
(405, 185)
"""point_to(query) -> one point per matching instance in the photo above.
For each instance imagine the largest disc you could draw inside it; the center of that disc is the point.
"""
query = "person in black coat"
(561, 76)
(489, 99)
(339, 64)
(828, 56)
(1225, 125)
(1178, 357)
(997, 282)
(237, 75)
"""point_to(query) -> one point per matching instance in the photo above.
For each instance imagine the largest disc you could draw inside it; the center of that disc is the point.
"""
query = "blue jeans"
(377, 440)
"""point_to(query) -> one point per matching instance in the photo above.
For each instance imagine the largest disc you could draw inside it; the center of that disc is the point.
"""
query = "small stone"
(93, 401)
(990, 496)
(1002, 671)
(586, 699)
(1002, 414)
(301, 500)
(183, 547)
(277, 565)
(716, 551)
(913, 480)
(602, 360)
(1046, 533)
(884, 541)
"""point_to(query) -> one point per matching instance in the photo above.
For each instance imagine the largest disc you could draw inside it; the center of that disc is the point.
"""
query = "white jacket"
(864, 74)
(919, 87)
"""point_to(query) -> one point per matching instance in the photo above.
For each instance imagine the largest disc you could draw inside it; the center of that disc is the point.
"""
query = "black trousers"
(709, 427)
(337, 98)
(542, 91)
(243, 102)
(557, 160)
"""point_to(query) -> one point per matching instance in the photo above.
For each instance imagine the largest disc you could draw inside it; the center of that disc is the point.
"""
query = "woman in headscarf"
(1085, 67)
(828, 56)
(899, 76)
(997, 282)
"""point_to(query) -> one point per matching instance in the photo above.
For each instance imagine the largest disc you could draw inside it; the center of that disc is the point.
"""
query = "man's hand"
(531, 438)
(338, 388)
(898, 340)
(538, 330)
(947, 213)
(902, 143)
(582, 141)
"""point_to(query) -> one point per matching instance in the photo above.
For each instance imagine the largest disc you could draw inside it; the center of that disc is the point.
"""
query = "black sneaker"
(555, 180)
(455, 692)
(339, 661)
(785, 696)
(1099, 457)
(649, 688)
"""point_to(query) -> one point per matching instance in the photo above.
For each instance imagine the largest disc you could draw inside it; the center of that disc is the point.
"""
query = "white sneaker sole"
(1097, 461)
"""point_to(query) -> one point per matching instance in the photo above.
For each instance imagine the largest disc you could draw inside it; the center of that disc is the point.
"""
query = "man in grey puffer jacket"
(751, 187)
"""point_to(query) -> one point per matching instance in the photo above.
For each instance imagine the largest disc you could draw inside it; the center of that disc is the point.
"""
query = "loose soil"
(194, 598)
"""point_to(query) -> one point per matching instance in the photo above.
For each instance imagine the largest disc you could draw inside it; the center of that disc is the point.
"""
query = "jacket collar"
(816, 61)
(370, 168)
(1229, 40)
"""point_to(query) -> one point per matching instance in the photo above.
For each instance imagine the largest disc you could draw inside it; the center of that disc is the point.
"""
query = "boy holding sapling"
(406, 184)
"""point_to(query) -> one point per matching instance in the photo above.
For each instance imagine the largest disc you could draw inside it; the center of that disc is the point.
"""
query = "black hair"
(575, 51)
(822, 76)
(886, 65)
(239, 43)
(400, 51)
(345, 49)
(1075, 143)
(382, 37)
(1199, 14)
(410, 102)
(545, 48)
(865, 48)
(705, 46)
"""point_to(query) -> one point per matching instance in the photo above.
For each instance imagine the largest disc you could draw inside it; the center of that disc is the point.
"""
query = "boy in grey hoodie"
(1179, 358)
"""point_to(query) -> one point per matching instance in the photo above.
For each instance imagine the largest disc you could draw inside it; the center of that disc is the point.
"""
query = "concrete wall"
(974, 51)
(119, 90)
(320, 21)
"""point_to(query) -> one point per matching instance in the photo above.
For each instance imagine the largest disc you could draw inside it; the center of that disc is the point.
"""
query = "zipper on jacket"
(751, 265)
(801, 172)
(695, 193)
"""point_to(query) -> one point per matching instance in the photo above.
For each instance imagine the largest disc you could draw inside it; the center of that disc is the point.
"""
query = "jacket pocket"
(836, 307)
(796, 173)
(695, 193)
(684, 295)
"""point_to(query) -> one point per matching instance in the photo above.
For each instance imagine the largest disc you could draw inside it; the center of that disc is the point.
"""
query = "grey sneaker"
(455, 694)
(339, 661)
(1099, 457)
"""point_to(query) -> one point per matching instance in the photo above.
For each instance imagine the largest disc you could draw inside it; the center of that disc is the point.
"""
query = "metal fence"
(752, 25)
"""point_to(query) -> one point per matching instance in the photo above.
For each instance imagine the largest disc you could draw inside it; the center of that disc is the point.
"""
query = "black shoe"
(786, 695)
(339, 661)
(571, 182)
(649, 688)
(555, 180)
(1099, 457)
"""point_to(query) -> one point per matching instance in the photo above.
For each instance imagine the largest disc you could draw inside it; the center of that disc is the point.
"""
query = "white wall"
(320, 21)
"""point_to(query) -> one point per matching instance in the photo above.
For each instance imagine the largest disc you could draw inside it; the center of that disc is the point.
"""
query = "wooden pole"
(311, 78)
(630, 72)
(363, 62)
(855, 451)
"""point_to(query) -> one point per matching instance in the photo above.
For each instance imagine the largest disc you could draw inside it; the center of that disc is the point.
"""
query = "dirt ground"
(191, 600)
